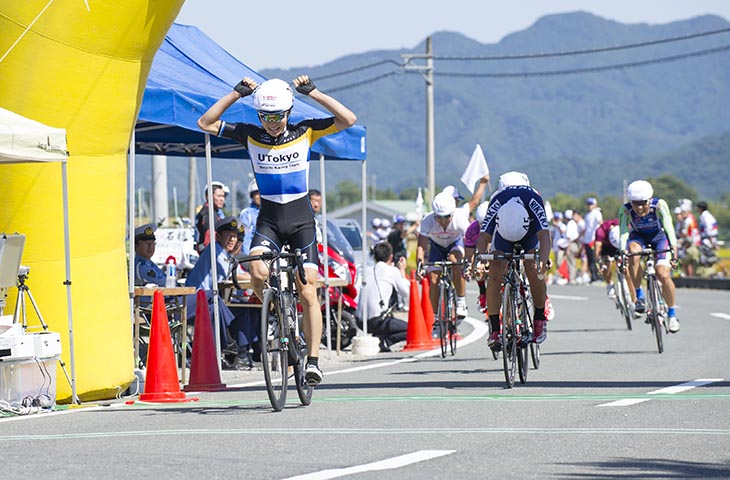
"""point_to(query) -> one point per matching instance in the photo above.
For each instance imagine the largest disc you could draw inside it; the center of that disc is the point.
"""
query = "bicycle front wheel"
(623, 298)
(508, 337)
(274, 350)
(656, 313)
(524, 339)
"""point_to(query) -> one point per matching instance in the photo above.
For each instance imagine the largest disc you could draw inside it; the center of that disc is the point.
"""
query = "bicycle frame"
(446, 306)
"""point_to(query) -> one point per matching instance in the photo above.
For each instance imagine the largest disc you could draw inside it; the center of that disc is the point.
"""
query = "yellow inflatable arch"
(79, 65)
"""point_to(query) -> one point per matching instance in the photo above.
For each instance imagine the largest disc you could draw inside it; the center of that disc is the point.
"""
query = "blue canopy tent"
(190, 72)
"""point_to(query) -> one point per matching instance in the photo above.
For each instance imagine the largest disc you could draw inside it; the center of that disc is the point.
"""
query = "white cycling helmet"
(513, 221)
(453, 191)
(385, 223)
(513, 179)
(253, 187)
(482, 211)
(639, 190)
(614, 234)
(443, 204)
(273, 96)
(216, 184)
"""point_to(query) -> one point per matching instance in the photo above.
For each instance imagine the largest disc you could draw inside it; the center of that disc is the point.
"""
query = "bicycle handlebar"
(296, 256)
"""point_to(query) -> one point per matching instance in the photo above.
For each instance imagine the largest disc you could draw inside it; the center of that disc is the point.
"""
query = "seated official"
(381, 281)
(145, 270)
(226, 236)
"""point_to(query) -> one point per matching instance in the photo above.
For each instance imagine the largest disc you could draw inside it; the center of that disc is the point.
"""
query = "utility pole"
(427, 72)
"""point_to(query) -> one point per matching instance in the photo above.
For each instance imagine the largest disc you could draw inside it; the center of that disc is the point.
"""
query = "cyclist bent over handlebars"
(516, 214)
(645, 222)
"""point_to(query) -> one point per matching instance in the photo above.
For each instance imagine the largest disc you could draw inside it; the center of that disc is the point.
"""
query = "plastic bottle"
(170, 275)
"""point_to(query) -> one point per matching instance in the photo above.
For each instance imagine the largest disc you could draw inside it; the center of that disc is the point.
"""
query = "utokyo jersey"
(281, 165)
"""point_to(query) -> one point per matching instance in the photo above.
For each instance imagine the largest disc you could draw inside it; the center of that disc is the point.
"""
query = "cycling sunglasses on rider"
(272, 116)
(639, 203)
(444, 217)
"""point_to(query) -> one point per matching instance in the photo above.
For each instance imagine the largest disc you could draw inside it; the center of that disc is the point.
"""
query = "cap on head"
(591, 201)
(385, 223)
(227, 224)
(443, 204)
(216, 185)
(677, 210)
(639, 190)
(512, 220)
(253, 187)
(513, 179)
(398, 218)
(557, 216)
(568, 214)
(145, 232)
(375, 222)
(453, 191)
(273, 96)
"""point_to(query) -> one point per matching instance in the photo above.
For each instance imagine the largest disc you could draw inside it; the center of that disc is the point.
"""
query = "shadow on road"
(651, 468)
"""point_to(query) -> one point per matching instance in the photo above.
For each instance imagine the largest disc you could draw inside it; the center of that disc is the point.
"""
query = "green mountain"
(577, 132)
(573, 133)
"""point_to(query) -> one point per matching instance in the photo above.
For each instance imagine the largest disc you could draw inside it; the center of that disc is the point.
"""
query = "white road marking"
(682, 387)
(567, 297)
(387, 464)
(724, 316)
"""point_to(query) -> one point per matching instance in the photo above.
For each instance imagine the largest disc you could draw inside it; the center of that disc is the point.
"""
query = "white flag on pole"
(476, 169)
(419, 204)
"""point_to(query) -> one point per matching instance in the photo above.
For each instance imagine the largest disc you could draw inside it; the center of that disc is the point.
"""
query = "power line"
(357, 69)
(587, 51)
(603, 68)
(364, 82)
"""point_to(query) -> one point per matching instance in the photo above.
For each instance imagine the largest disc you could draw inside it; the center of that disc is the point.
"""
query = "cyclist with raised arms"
(516, 214)
(442, 234)
(645, 221)
(279, 153)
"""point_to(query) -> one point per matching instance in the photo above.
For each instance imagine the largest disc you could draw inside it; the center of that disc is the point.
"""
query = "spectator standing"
(397, 237)
(707, 226)
(592, 220)
(201, 219)
(572, 249)
(249, 215)
(560, 245)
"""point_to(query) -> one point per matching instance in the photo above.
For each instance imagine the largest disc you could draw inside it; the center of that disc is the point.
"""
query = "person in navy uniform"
(145, 270)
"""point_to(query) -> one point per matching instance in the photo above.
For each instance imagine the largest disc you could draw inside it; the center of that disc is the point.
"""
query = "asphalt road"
(603, 404)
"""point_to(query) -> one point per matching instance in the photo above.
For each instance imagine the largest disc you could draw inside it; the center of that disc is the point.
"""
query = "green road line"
(523, 398)
(368, 431)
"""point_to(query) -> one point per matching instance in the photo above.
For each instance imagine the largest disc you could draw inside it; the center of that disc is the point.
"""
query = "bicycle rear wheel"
(623, 298)
(274, 350)
(451, 315)
(508, 337)
(656, 314)
(441, 319)
(523, 339)
(304, 391)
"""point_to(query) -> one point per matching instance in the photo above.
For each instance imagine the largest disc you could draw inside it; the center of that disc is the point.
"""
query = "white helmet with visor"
(443, 204)
(639, 191)
(273, 96)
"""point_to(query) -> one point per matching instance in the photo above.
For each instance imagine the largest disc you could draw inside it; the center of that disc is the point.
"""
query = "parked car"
(350, 228)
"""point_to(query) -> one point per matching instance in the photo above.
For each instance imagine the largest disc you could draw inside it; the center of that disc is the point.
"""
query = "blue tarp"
(190, 72)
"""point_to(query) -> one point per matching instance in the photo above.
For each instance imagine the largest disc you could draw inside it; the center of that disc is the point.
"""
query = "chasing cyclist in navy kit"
(279, 153)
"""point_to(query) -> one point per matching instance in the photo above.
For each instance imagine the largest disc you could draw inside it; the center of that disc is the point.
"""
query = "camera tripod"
(20, 309)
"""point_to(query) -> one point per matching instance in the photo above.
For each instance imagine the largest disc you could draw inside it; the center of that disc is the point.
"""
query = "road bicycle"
(622, 298)
(283, 347)
(445, 313)
(516, 325)
(656, 307)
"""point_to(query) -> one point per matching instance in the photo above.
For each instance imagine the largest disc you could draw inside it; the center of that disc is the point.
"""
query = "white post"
(364, 234)
(213, 256)
(328, 328)
(66, 240)
(160, 198)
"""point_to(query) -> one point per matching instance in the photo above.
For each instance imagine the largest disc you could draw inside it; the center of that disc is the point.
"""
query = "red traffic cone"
(427, 309)
(417, 338)
(161, 383)
(204, 373)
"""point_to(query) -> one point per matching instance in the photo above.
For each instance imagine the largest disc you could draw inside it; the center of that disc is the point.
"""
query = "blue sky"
(302, 34)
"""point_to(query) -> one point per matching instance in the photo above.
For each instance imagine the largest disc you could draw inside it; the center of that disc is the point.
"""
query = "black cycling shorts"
(287, 224)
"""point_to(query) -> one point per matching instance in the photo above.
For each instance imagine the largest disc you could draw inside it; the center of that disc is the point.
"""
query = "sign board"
(176, 242)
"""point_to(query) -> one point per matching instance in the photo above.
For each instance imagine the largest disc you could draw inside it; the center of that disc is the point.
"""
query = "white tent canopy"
(23, 140)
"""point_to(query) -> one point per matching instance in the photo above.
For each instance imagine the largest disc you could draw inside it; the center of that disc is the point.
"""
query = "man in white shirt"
(592, 220)
(381, 281)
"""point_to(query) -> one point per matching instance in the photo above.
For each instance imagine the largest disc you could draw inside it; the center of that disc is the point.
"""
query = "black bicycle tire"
(453, 329)
(623, 297)
(276, 388)
(535, 355)
(441, 313)
(508, 337)
(522, 360)
(304, 391)
(652, 286)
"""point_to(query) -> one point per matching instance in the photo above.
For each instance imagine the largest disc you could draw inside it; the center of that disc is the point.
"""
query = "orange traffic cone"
(204, 373)
(417, 338)
(427, 309)
(161, 384)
